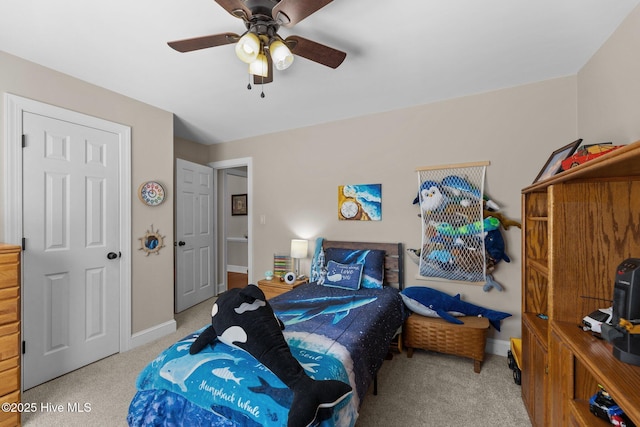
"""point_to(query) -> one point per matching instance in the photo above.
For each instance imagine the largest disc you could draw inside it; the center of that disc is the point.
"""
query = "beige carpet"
(429, 389)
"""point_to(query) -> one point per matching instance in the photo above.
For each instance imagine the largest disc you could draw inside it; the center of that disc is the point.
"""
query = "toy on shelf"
(602, 406)
(461, 237)
(588, 152)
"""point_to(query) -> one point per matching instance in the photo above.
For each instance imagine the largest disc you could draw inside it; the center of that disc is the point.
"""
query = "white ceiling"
(400, 53)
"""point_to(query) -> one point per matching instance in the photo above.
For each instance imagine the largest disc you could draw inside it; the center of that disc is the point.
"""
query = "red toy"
(588, 152)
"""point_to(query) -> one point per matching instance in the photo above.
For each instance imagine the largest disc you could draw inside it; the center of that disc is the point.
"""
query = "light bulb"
(248, 48)
(281, 55)
(259, 67)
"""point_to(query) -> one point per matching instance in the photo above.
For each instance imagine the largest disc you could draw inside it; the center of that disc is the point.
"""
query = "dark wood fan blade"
(188, 45)
(259, 79)
(315, 52)
(296, 10)
(234, 6)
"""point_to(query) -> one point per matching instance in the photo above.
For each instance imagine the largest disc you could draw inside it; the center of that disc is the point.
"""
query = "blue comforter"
(334, 334)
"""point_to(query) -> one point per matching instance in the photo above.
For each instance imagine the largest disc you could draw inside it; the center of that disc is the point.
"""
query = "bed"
(336, 330)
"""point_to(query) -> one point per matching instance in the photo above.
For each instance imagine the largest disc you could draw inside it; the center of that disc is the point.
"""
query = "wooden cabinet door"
(539, 358)
(534, 377)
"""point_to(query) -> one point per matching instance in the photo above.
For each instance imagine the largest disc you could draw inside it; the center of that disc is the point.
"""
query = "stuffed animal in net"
(244, 319)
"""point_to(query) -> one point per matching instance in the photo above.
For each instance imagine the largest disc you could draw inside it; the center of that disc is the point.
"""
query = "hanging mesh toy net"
(453, 228)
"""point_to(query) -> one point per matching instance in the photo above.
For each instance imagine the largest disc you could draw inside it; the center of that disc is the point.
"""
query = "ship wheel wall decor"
(151, 242)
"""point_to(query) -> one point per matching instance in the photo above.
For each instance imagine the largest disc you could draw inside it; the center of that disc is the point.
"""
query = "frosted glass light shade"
(259, 67)
(299, 248)
(281, 55)
(248, 48)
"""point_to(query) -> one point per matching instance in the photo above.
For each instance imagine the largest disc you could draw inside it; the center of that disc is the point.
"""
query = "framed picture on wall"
(554, 162)
(238, 204)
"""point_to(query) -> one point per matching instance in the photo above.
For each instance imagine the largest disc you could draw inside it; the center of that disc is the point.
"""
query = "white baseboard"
(497, 347)
(237, 269)
(220, 288)
(152, 334)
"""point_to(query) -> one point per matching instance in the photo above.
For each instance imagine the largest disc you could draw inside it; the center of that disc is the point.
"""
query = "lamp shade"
(259, 67)
(281, 55)
(248, 48)
(299, 248)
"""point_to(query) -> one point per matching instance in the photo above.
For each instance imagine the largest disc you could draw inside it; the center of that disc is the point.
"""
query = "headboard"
(393, 261)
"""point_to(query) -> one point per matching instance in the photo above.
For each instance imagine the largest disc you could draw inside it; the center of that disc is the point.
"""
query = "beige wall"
(296, 173)
(190, 151)
(516, 129)
(151, 158)
(609, 88)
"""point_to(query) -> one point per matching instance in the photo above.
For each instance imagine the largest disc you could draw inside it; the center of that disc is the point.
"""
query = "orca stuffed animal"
(244, 319)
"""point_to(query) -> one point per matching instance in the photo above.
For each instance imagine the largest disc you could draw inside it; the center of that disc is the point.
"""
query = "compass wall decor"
(360, 202)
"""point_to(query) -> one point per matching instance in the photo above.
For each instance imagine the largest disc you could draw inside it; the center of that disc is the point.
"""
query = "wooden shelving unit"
(577, 228)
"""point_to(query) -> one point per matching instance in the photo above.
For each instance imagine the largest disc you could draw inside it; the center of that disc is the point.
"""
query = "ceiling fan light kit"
(281, 55)
(260, 67)
(260, 46)
(248, 48)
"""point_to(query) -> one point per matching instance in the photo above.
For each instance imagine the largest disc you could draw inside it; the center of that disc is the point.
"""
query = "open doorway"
(233, 218)
(235, 185)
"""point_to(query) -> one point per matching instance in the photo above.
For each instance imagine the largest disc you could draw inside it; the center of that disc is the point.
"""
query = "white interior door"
(195, 235)
(71, 282)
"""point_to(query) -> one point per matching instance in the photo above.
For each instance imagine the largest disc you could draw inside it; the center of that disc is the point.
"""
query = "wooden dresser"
(577, 227)
(9, 333)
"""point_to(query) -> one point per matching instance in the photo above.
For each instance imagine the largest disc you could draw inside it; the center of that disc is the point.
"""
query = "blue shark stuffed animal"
(444, 304)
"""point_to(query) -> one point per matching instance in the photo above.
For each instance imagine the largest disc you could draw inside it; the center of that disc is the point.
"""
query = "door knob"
(181, 243)
(113, 255)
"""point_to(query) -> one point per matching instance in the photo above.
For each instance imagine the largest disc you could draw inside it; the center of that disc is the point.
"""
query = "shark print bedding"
(334, 333)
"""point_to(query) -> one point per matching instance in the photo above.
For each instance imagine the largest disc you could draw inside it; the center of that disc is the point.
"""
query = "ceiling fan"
(260, 45)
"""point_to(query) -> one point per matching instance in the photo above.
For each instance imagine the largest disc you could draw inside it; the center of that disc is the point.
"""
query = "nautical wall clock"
(151, 193)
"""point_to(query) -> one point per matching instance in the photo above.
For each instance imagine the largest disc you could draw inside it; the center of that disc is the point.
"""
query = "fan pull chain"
(262, 88)
(249, 84)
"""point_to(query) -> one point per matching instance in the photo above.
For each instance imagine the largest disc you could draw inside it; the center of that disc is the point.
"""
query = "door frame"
(228, 164)
(15, 106)
(226, 208)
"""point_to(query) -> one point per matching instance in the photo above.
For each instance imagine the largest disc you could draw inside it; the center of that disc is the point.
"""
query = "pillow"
(373, 260)
(345, 276)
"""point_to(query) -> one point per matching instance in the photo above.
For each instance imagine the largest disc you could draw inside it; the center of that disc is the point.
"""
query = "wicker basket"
(436, 334)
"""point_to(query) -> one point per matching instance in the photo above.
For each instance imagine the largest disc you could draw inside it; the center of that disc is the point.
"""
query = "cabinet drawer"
(9, 308)
(9, 347)
(269, 292)
(10, 419)
(9, 268)
(8, 275)
(9, 363)
(9, 381)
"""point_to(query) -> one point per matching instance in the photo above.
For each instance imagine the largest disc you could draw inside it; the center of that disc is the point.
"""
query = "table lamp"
(299, 248)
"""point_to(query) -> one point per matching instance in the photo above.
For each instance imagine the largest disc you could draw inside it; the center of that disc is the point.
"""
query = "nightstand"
(274, 287)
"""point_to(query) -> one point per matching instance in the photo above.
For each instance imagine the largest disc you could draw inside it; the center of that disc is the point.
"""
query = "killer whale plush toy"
(244, 319)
